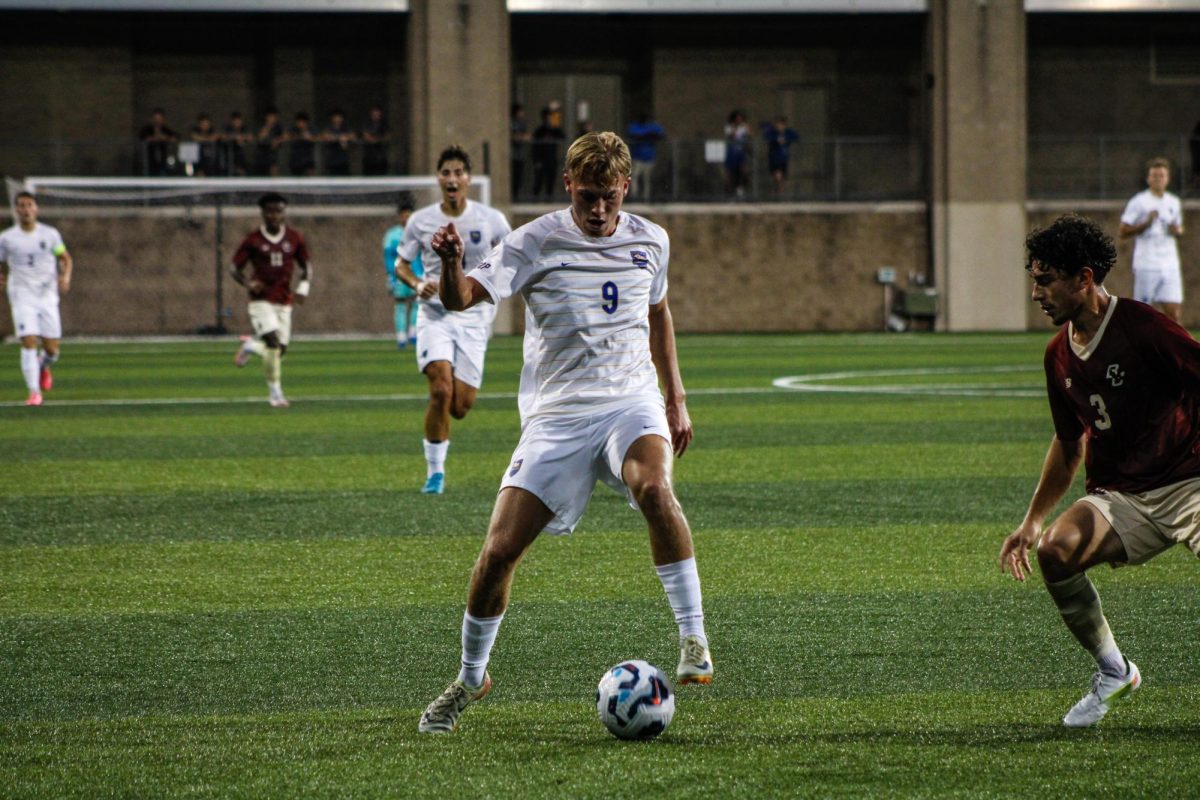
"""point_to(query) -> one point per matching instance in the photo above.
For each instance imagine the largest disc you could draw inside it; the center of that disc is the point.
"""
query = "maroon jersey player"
(1122, 379)
(275, 254)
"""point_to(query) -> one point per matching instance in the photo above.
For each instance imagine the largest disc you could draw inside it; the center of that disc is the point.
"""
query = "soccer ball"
(635, 700)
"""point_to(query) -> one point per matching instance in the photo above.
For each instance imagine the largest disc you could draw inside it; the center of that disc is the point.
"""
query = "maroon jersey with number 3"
(1135, 391)
(273, 259)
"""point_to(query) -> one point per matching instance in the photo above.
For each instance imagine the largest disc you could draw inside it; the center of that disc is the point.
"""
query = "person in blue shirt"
(405, 297)
(644, 135)
(779, 138)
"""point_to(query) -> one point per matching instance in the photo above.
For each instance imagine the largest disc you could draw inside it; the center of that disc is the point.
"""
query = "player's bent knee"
(655, 496)
(460, 407)
(1059, 548)
(441, 394)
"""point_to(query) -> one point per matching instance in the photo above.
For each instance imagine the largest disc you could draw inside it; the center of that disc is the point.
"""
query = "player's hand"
(254, 285)
(680, 425)
(1176, 229)
(448, 244)
(426, 289)
(1014, 553)
(64, 284)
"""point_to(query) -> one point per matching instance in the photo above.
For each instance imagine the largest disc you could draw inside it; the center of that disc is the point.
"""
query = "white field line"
(820, 382)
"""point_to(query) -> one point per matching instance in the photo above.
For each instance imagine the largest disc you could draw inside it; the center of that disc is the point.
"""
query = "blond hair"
(600, 158)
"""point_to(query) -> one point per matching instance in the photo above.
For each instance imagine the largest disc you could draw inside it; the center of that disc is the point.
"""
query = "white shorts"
(271, 317)
(1157, 286)
(447, 338)
(1148, 523)
(560, 458)
(36, 316)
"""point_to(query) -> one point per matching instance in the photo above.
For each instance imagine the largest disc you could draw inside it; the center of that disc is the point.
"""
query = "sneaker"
(45, 379)
(1105, 690)
(434, 484)
(35, 399)
(695, 663)
(412, 340)
(442, 714)
(279, 401)
(242, 356)
(401, 343)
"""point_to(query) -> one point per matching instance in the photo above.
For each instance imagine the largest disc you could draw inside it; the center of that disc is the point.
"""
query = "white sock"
(30, 368)
(254, 346)
(275, 388)
(478, 636)
(682, 584)
(435, 460)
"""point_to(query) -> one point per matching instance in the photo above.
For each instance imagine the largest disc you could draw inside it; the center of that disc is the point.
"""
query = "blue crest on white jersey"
(639, 258)
(476, 237)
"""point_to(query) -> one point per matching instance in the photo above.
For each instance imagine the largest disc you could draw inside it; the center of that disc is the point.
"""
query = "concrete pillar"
(460, 78)
(977, 57)
(460, 74)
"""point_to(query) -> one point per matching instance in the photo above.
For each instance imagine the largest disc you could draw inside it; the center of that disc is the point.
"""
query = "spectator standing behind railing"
(337, 140)
(546, 140)
(644, 136)
(376, 137)
(204, 134)
(302, 146)
(234, 139)
(269, 139)
(1155, 217)
(518, 130)
(737, 153)
(157, 137)
(779, 138)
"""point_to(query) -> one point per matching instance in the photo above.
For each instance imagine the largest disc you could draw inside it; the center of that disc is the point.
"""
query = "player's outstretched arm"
(666, 363)
(306, 273)
(406, 275)
(65, 266)
(1058, 470)
(457, 291)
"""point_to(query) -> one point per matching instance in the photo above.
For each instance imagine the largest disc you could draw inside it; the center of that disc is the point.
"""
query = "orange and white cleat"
(695, 662)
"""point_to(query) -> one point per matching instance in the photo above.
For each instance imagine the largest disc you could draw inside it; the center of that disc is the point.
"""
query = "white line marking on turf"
(822, 382)
(818, 382)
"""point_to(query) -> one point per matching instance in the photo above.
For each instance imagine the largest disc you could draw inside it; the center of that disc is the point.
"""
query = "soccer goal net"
(152, 254)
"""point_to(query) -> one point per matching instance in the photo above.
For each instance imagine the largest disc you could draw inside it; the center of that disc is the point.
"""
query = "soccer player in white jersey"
(599, 342)
(35, 268)
(1155, 217)
(451, 345)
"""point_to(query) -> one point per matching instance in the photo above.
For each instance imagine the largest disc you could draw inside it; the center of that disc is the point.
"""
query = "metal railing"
(847, 168)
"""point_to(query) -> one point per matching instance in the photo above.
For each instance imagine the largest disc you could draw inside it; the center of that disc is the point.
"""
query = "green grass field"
(204, 596)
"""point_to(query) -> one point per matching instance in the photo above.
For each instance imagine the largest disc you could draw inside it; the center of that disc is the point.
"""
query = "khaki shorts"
(1148, 523)
(267, 317)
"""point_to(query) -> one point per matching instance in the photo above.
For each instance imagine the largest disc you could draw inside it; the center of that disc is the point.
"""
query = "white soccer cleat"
(695, 662)
(442, 714)
(1105, 691)
(278, 401)
(242, 356)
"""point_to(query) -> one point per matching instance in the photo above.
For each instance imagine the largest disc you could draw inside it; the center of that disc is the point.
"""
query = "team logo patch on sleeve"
(516, 467)
(476, 237)
(639, 258)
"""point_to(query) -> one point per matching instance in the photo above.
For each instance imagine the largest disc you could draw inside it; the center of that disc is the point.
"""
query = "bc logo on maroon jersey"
(1115, 375)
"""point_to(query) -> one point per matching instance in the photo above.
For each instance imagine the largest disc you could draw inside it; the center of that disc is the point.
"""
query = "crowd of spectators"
(268, 149)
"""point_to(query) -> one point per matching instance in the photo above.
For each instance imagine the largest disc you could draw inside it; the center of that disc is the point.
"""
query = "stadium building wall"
(746, 270)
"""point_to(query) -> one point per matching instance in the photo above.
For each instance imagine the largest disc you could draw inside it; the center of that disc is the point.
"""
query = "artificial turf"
(204, 596)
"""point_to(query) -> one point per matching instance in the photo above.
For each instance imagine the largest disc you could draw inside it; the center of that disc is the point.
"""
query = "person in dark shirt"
(336, 142)
(270, 136)
(302, 144)
(234, 139)
(376, 139)
(548, 140)
(157, 137)
(1123, 381)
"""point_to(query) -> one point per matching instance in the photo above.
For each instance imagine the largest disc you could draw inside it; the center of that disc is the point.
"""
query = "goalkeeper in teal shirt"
(406, 298)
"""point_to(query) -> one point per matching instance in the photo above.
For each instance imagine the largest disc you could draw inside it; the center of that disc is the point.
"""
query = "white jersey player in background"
(1155, 217)
(35, 268)
(599, 342)
(451, 345)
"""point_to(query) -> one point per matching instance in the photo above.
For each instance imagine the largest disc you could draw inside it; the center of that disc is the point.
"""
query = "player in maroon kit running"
(1124, 387)
(274, 252)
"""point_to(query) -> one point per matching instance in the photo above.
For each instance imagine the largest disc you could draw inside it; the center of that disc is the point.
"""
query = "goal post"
(157, 227)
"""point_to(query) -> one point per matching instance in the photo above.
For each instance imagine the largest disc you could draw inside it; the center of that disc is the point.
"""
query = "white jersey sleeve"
(1133, 213)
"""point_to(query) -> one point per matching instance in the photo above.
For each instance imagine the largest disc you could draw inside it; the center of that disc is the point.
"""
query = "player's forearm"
(453, 288)
(1058, 471)
(663, 353)
(65, 265)
(306, 274)
(236, 273)
(405, 274)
